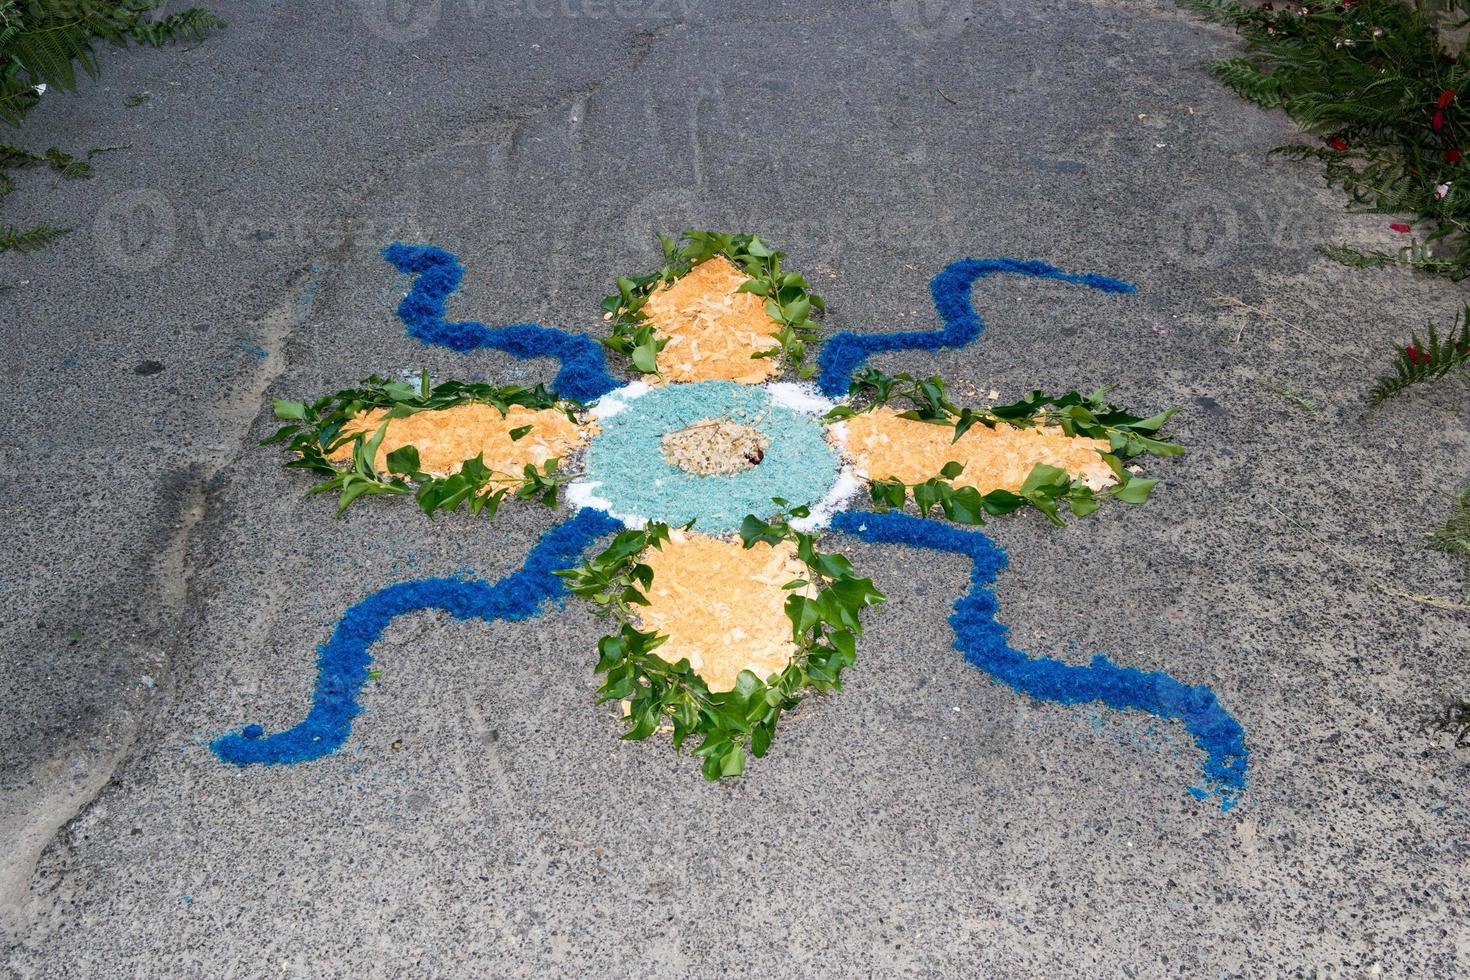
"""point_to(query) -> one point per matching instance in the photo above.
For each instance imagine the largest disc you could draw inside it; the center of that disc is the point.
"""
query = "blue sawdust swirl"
(982, 639)
(583, 373)
(627, 458)
(342, 667)
(845, 352)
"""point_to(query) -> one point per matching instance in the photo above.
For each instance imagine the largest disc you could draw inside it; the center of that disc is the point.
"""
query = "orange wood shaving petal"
(446, 437)
(722, 606)
(712, 330)
(885, 446)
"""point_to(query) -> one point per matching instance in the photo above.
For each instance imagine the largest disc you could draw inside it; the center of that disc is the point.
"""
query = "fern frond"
(1221, 11)
(194, 24)
(1454, 537)
(1415, 256)
(16, 99)
(47, 53)
(15, 156)
(1249, 82)
(1357, 259)
(13, 239)
(1425, 360)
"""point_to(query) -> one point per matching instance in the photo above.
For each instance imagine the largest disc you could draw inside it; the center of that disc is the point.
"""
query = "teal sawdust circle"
(626, 471)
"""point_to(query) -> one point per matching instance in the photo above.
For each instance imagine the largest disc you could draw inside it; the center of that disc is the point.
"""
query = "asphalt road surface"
(165, 581)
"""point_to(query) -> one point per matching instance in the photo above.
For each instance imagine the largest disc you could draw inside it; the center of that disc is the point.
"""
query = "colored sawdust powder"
(885, 446)
(722, 606)
(446, 437)
(716, 446)
(627, 475)
(712, 329)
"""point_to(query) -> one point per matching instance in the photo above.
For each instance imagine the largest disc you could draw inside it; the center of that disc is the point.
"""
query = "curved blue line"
(845, 352)
(342, 667)
(982, 639)
(583, 373)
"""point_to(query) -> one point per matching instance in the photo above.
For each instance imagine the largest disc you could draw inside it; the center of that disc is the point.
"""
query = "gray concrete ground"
(166, 581)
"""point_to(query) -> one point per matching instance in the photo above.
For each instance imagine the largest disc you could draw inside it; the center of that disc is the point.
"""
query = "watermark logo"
(400, 21)
(932, 20)
(135, 231)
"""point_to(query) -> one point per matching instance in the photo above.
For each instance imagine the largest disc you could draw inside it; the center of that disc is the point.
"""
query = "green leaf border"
(728, 724)
(790, 302)
(314, 430)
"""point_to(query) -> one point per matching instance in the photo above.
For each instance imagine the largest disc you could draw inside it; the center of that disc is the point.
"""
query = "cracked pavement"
(168, 582)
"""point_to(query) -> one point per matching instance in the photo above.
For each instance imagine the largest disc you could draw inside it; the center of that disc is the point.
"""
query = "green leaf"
(289, 410)
(645, 358)
(760, 739)
(1044, 478)
(1151, 424)
(733, 763)
(354, 490)
(405, 460)
(1135, 491)
(1000, 502)
(518, 433)
(965, 506)
(1082, 501)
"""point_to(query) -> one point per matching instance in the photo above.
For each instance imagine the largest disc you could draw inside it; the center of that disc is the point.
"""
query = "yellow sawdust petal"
(712, 330)
(722, 606)
(446, 437)
(885, 446)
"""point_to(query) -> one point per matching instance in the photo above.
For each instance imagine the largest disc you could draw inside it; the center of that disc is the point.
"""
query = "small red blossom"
(1453, 155)
(1415, 355)
(1399, 227)
(1338, 143)
(1446, 97)
(1436, 122)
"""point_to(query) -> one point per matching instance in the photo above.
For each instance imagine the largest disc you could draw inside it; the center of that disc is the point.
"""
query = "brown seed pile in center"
(715, 446)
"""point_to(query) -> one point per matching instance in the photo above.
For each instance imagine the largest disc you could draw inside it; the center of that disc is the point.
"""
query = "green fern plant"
(1454, 537)
(1373, 81)
(13, 239)
(45, 42)
(1425, 359)
(64, 165)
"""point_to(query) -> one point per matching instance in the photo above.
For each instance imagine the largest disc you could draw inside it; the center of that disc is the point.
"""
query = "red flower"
(1338, 143)
(1446, 97)
(1436, 122)
(1415, 355)
(1399, 227)
(1452, 155)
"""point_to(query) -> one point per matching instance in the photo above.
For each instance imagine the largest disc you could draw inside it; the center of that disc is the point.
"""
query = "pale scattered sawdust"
(884, 446)
(712, 330)
(446, 437)
(715, 446)
(722, 606)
